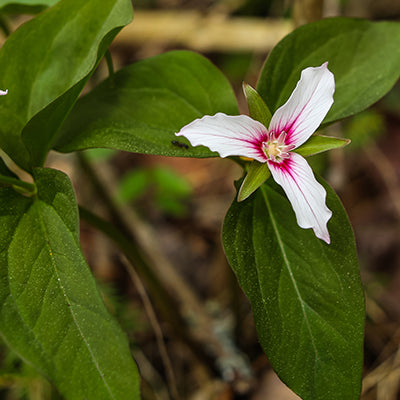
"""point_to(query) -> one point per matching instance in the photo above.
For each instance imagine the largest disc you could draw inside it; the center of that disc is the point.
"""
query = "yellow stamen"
(273, 149)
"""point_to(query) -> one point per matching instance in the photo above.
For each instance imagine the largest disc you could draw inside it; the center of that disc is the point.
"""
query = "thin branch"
(156, 328)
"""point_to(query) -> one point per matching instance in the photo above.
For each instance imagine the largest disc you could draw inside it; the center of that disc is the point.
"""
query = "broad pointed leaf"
(25, 6)
(306, 295)
(146, 103)
(45, 65)
(51, 312)
(364, 57)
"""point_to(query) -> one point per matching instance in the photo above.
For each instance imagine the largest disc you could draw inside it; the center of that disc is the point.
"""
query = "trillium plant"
(286, 234)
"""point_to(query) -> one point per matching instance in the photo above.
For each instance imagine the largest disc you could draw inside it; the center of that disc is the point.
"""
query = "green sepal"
(257, 174)
(258, 110)
(319, 143)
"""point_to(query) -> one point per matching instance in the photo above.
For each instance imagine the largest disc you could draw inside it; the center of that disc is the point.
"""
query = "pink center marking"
(275, 147)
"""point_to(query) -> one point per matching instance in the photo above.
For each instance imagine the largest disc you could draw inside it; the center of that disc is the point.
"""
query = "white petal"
(307, 106)
(3, 92)
(305, 194)
(228, 135)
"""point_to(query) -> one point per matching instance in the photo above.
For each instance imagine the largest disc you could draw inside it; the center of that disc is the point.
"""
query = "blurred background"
(189, 325)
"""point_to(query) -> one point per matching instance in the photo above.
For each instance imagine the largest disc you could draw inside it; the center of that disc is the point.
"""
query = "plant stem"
(152, 317)
(21, 186)
(4, 26)
(110, 66)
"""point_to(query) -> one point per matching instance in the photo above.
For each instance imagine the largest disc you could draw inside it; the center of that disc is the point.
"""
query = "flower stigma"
(275, 148)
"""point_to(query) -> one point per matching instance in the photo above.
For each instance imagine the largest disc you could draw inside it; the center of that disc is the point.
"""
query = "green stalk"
(4, 26)
(20, 186)
(110, 66)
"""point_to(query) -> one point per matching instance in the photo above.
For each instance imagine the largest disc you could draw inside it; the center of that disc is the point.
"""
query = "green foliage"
(25, 6)
(391, 102)
(319, 143)
(364, 57)
(45, 65)
(167, 189)
(141, 108)
(8, 178)
(258, 110)
(171, 191)
(133, 184)
(52, 314)
(306, 295)
(20, 381)
(257, 174)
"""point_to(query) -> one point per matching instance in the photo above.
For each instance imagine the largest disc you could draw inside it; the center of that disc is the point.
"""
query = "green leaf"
(306, 295)
(364, 57)
(45, 65)
(51, 312)
(319, 143)
(25, 6)
(257, 174)
(258, 110)
(146, 103)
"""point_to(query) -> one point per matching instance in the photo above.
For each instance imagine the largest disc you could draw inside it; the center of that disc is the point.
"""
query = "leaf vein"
(53, 262)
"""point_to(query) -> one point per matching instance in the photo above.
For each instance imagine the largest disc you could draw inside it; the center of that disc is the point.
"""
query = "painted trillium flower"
(290, 126)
